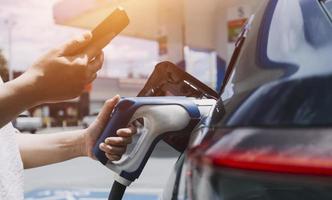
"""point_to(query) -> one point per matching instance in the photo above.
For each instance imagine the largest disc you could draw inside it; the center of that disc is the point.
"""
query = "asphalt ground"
(84, 178)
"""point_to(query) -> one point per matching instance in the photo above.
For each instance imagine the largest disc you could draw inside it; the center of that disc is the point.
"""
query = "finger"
(91, 78)
(96, 63)
(93, 49)
(78, 60)
(107, 109)
(76, 45)
(118, 141)
(113, 157)
(112, 149)
(126, 132)
(133, 129)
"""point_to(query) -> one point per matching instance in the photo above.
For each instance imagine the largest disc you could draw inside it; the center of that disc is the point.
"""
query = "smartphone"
(108, 29)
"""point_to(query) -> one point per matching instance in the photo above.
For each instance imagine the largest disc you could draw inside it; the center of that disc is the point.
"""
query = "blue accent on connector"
(135, 174)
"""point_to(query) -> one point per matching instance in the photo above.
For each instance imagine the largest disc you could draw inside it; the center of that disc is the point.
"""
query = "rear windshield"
(328, 4)
(306, 102)
(299, 45)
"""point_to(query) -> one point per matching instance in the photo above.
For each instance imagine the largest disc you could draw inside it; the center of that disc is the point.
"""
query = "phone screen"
(106, 31)
(112, 25)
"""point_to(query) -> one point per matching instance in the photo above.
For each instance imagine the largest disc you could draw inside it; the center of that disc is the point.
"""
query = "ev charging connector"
(161, 116)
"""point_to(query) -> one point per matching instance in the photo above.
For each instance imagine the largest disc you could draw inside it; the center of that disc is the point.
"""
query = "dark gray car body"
(281, 98)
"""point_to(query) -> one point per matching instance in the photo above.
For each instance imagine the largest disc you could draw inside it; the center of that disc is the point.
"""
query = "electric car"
(271, 138)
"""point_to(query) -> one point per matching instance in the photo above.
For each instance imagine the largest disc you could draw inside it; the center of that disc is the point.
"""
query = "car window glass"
(304, 98)
(295, 103)
(328, 4)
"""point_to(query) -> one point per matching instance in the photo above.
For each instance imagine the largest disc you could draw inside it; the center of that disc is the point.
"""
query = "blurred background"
(198, 36)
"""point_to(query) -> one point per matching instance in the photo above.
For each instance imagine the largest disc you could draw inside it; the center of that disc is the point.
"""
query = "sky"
(33, 33)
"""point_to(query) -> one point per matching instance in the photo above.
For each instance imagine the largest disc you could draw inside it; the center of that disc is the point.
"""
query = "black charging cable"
(117, 191)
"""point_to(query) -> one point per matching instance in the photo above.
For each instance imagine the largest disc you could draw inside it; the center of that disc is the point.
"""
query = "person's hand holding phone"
(63, 72)
(60, 74)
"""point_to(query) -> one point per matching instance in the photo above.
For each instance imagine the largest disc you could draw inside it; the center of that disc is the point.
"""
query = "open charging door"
(169, 80)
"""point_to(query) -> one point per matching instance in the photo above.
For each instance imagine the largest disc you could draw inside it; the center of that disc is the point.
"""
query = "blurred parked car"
(272, 138)
(88, 120)
(25, 123)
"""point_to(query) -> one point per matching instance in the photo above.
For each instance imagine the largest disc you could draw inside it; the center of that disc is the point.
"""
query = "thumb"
(76, 45)
(97, 45)
(107, 109)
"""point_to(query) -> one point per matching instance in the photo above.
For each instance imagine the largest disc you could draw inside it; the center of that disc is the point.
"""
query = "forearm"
(44, 149)
(15, 97)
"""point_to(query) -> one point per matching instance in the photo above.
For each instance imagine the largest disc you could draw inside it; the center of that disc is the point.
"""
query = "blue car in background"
(271, 138)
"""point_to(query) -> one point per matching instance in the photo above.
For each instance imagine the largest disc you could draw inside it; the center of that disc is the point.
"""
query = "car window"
(327, 6)
(304, 98)
(295, 103)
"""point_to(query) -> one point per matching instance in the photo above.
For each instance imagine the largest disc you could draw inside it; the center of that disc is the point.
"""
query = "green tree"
(3, 67)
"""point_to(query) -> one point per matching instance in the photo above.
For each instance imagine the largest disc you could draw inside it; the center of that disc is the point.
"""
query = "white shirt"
(11, 166)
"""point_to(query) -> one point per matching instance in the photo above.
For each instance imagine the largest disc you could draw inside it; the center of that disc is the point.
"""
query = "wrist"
(79, 144)
(73, 144)
(83, 140)
(25, 89)
(88, 142)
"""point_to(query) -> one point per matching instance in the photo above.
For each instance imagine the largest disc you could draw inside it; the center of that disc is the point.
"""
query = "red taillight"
(265, 160)
(295, 151)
